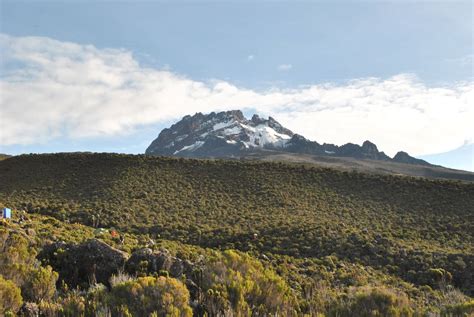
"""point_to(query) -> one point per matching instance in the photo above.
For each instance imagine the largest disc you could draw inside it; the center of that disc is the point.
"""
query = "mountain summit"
(223, 134)
(230, 134)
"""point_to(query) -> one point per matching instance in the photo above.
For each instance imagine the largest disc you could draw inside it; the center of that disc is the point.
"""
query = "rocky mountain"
(230, 134)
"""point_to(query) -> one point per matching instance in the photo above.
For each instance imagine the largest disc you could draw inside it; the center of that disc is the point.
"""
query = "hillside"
(401, 225)
(365, 165)
(4, 156)
(40, 254)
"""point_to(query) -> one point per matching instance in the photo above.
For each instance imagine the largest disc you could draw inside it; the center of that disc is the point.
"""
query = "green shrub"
(51, 309)
(145, 295)
(16, 257)
(73, 304)
(10, 297)
(465, 309)
(374, 302)
(40, 284)
(238, 281)
(306, 224)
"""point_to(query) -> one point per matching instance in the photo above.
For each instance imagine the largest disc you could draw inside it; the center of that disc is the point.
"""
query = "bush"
(374, 302)
(40, 284)
(146, 295)
(73, 304)
(10, 297)
(240, 282)
(16, 257)
(462, 310)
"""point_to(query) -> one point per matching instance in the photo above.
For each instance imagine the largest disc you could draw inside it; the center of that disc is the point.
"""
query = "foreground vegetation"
(228, 283)
(266, 238)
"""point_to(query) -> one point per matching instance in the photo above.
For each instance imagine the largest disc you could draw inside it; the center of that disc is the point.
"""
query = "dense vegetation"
(4, 156)
(329, 242)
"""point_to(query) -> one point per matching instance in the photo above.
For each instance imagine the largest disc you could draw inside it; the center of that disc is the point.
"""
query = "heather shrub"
(374, 302)
(40, 284)
(146, 295)
(238, 281)
(16, 257)
(10, 297)
(465, 309)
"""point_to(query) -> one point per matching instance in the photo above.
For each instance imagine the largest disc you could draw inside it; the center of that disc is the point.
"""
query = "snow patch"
(233, 131)
(263, 135)
(181, 137)
(222, 125)
(191, 147)
(329, 152)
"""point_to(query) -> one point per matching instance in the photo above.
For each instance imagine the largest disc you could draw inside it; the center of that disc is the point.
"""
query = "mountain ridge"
(229, 134)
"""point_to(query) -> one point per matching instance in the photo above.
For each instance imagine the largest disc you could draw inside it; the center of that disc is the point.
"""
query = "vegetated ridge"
(402, 226)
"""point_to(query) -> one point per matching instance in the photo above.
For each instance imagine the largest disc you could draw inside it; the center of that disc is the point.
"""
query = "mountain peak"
(404, 157)
(226, 133)
(369, 145)
(230, 134)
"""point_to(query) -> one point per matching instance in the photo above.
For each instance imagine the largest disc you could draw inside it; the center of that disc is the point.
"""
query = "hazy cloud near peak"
(51, 89)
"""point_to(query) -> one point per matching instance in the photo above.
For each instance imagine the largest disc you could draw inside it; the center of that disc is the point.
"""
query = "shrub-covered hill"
(419, 230)
(137, 276)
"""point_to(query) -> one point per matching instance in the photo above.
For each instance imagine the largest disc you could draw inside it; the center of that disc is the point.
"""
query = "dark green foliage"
(320, 235)
(10, 297)
(16, 257)
(405, 224)
(232, 281)
(41, 284)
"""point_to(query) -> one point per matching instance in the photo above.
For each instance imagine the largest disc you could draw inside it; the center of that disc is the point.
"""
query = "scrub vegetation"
(250, 238)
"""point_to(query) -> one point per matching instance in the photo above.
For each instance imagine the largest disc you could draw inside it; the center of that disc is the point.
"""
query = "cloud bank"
(51, 89)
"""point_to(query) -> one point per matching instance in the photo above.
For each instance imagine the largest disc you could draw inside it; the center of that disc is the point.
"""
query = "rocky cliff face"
(403, 157)
(230, 134)
(224, 134)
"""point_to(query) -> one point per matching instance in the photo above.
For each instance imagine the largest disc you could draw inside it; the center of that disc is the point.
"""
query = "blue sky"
(272, 51)
(323, 41)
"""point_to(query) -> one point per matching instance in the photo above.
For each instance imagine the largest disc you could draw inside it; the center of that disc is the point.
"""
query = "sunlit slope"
(405, 225)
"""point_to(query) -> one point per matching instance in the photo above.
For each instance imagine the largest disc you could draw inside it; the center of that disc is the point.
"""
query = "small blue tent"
(6, 213)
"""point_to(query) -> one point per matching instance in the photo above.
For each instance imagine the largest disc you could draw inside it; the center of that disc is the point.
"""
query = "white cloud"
(284, 67)
(51, 89)
(250, 58)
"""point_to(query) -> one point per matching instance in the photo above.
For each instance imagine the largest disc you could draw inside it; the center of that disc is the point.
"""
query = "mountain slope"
(219, 135)
(230, 134)
(405, 225)
(364, 165)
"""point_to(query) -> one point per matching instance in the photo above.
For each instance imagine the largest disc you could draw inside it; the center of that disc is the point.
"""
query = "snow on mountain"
(222, 132)
(230, 134)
